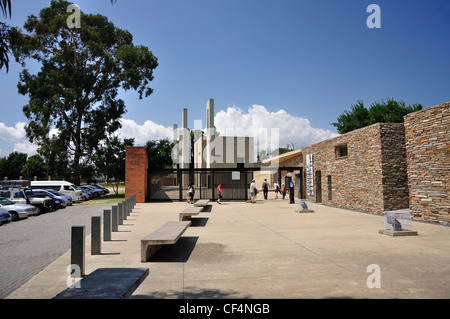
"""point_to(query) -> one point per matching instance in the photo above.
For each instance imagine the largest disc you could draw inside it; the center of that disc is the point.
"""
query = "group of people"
(278, 190)
(253, 191)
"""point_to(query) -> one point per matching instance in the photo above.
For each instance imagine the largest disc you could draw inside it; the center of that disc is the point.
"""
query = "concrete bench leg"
(148, 250)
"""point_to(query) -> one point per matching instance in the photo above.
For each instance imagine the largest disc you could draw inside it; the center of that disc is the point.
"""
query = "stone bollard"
(124, 210)
(77, 249)
(120, 213)
(107, 225)
(115, 219)
(96, 243)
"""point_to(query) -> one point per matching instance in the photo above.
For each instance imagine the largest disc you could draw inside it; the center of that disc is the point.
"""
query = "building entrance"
(172, 184)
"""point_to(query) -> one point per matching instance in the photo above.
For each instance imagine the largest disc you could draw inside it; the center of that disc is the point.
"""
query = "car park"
(63, 187)
(20, 194)
(17, 211)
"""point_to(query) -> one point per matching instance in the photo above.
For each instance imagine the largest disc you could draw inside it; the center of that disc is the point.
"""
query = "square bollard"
(115, 219)
(96, 242)
(106, 225)
(77, 249)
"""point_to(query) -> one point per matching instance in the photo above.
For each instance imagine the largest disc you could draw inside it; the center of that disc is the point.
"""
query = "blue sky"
(293, 64)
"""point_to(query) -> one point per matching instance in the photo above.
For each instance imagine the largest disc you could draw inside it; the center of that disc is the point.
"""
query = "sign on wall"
(310, 174)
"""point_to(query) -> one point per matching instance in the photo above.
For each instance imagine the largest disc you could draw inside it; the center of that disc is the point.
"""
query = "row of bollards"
(112, 218)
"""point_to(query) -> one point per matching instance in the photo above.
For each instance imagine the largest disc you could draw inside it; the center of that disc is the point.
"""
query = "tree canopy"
(110, 159)
(390, 111)
(5, 6)
(159, 153)
(73, 99)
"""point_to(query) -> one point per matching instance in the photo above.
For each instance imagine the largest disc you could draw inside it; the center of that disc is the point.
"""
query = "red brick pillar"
(136, 164)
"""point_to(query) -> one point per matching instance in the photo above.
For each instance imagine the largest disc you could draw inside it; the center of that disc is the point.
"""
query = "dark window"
(341, 151)
(330, 196)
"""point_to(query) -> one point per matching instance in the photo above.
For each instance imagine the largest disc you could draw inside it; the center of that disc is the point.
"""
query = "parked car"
(66, 198)
(95, 192)
(101, 187)
(44, 204)
(87, 193)
(17, 211)
(21, 195)
(5, 218)
(57, 202)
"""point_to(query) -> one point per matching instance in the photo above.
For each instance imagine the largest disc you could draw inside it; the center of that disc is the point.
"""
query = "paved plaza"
(267, 250)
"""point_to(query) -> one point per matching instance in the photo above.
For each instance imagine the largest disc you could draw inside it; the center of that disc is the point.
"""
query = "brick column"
(136, 164)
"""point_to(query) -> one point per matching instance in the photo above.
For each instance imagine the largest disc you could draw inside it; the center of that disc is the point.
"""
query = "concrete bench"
(167, 234)
(201, 203)
(189, 212)
(106, 283)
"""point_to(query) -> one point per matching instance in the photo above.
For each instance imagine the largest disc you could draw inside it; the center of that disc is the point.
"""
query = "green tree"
(159, 153)
(5, 6)
(110, 160)
(34, 166)
(390, 111)
(4, 167)
(76, 90)
(16, 161)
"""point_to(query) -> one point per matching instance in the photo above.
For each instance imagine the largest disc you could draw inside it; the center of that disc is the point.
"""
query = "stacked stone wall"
(359, 180)
(427, 135)
(394, 166)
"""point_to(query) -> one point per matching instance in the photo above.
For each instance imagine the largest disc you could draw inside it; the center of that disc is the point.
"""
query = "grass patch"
(110, 198)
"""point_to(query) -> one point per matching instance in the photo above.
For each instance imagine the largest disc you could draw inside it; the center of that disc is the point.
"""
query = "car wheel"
(14, 216)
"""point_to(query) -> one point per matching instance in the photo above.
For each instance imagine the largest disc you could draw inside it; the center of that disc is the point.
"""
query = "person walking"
(191, 192)
(276, 187)
(219, 193)
(265, 187)
(283, 190)
(253, 191)
(291, 192)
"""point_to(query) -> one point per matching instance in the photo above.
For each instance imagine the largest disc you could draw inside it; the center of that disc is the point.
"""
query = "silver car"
(5, 217)
(17, 211)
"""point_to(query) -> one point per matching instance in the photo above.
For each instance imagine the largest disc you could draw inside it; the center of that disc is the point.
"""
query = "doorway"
(318, 180)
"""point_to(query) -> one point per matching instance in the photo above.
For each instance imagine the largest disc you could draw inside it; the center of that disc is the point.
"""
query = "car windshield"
(4, 201)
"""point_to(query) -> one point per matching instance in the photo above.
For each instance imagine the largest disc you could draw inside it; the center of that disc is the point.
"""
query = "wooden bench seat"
(167, 234)
(106, 283)
(201, 203)
(189, 212)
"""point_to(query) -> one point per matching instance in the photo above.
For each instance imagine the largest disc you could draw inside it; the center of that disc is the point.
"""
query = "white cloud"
(16, 136)
(25, 147)
(271, 129)
(142, 133)
(14, 133)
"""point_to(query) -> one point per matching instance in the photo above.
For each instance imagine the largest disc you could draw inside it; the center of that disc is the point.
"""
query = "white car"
(17, 211)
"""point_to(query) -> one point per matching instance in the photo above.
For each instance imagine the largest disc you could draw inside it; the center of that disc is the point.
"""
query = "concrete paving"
(267, 250)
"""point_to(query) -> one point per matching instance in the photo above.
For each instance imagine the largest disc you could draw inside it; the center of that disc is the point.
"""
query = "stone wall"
(428, 155)
(136, 165)
(359, 179)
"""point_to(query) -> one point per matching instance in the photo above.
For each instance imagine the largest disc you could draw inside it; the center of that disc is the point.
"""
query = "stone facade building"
(428, 155)
(362, 170)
